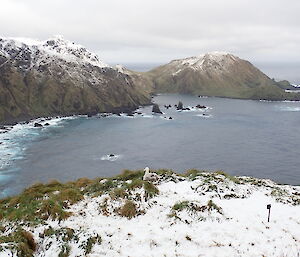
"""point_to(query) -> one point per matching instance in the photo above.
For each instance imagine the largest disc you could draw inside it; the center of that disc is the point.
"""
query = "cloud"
(158, 31)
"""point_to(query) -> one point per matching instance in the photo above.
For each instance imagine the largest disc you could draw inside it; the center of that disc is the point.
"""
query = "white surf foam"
(110, 158)
(290, 108)
(14, 141)
(204, 115)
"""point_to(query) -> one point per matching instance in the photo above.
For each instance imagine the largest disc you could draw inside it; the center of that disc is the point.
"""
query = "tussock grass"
(193, 207)
(231, 178)
(193, 173)
(65, 234)
(128, 210)
(137, 183)
(150, 190)
(21, 242)
(118, 193)
(180, 206)
(40, 202)
(82, 182)
(130, 175)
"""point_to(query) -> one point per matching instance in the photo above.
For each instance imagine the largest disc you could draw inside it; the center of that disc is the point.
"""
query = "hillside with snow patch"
(218, 74)
(59, 77)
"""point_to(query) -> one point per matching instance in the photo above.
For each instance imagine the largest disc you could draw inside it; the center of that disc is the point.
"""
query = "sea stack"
(180, 106)
(155, 109)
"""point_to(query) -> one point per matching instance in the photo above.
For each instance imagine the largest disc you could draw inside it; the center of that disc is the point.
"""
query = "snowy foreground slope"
(199, 214)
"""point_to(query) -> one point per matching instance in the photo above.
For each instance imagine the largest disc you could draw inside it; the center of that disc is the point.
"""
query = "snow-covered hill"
(201, 214)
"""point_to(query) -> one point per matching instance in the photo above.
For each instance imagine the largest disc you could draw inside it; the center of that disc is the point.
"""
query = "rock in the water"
(156, 109)
(200, 106)
(180, 106)
(130, 114)
(38, 125)
(46, 124)
(116, 113)
(170, 118)
(111, 155)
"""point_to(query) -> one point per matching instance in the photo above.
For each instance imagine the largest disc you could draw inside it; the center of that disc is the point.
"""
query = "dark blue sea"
(240, 137)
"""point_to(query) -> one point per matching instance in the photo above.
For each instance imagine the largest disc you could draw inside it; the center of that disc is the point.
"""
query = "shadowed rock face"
(155, 109)
(57, 77)
(218, 74)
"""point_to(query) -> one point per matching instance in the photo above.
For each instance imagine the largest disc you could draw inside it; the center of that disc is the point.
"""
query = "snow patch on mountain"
(218, 61)
(34, 52)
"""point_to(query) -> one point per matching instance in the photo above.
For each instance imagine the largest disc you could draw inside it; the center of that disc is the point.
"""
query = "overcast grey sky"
(124, 31)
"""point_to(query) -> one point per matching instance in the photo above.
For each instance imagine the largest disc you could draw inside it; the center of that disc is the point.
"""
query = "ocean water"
(241, 137)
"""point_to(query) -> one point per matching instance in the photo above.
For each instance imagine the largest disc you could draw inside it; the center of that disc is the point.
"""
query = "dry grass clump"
(193, 173)
(128, 210)
(232, 178)
(130, 175)
(118, 193)
(21, 242)
(82, 182)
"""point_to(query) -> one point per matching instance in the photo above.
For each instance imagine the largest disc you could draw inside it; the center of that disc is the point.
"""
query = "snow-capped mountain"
(57, 76)
(34, 53)
(217, 74)
(206, 61)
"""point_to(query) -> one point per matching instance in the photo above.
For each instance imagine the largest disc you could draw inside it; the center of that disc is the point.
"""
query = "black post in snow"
(269, 208)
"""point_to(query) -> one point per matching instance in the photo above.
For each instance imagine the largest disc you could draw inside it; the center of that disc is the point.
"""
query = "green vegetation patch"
(130, 175)
(194, 209)
(150, 190)
(229, 177)
(40, 202)
(20, 241)
(63, 234)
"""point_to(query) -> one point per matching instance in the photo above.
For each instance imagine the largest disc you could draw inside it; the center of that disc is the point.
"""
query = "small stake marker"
(269, 208)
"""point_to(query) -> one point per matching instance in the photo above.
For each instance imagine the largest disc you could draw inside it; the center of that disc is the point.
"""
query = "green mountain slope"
(218, 74)
(57, 77)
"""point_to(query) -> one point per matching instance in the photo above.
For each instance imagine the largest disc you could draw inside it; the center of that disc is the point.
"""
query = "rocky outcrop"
(155, 109)
(180, 106)
(58, 77)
